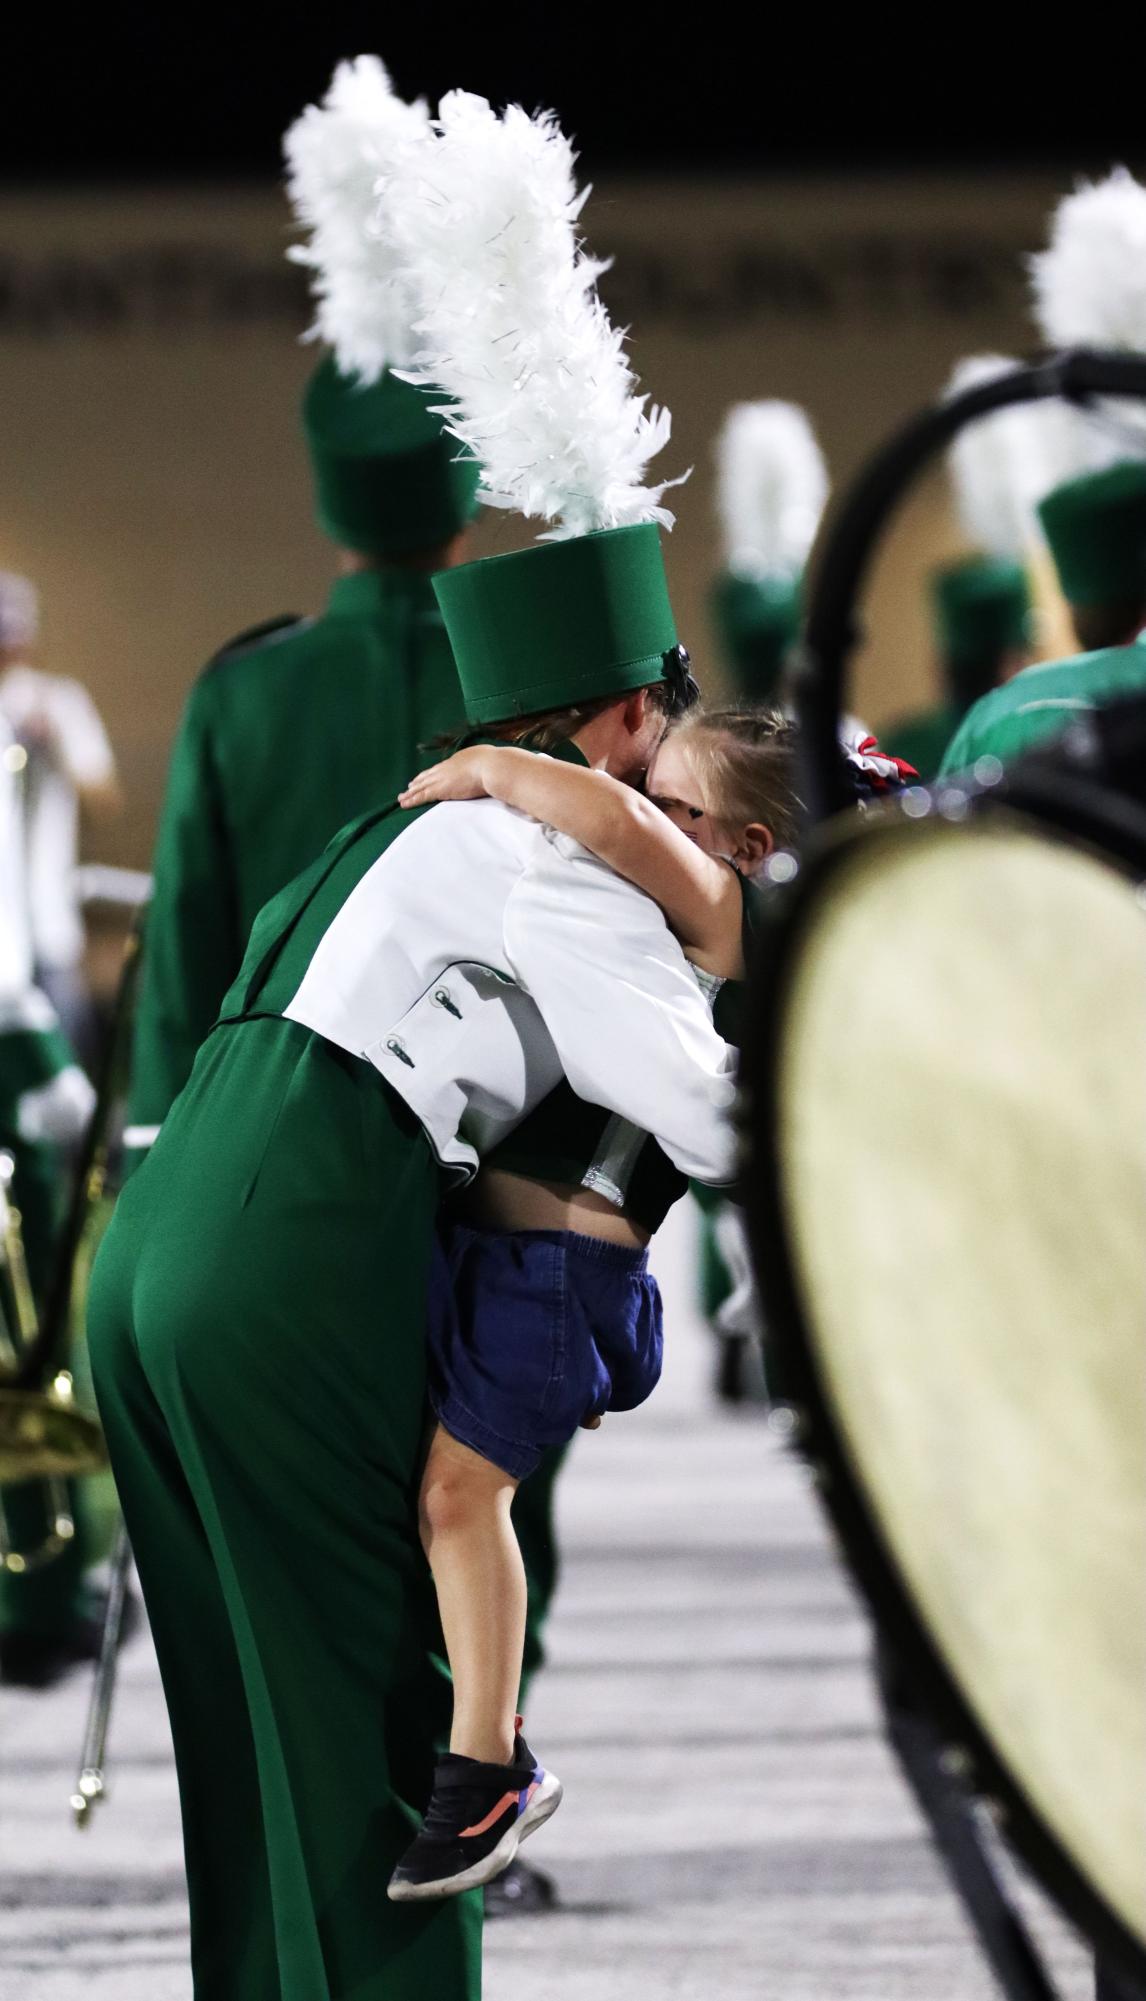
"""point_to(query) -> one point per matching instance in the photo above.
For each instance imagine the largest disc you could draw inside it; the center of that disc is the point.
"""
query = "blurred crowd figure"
(56, 763)
(69, 770)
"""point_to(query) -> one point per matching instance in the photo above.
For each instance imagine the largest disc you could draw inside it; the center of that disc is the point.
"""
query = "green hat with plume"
(388, 479)
(1096, 528)
(562, 623)
(757, 621)
(982, 609)
(1088, 292)
(998, 466)
(542, 396)
(772, 487)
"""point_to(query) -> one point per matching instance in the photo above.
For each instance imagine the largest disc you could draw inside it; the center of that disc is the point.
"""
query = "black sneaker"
(477, 1816)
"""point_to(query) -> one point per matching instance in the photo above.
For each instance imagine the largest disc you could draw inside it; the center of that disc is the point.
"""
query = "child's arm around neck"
(699, 895)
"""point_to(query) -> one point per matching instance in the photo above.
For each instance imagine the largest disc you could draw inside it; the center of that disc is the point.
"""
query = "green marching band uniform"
(1096, 528)
(257, 1319)
(771, 491)
(45, 1101)
(298, 727)
(772, 488)
(981, 610)
(349, 705)
(1085, 293)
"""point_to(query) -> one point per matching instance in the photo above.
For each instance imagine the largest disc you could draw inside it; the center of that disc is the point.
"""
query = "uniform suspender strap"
(287, 910)
(321, 871)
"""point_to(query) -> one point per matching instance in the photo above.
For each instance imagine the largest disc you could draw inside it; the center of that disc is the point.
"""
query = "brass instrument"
(44, 1436)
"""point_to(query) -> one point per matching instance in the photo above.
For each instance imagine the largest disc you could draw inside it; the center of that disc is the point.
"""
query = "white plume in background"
(771, 490)
(512, 327)
(1089, 290)
(1002, 465)
(336, 154)
(1090, 284)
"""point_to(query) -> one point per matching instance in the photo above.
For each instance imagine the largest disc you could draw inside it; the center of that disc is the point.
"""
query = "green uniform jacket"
(287, 736)
(1041, 702)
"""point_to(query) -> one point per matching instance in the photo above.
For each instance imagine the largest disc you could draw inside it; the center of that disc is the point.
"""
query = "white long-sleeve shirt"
(75, 757)
(482, 957)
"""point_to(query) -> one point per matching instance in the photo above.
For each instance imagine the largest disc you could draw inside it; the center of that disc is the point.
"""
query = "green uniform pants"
(257, 1329)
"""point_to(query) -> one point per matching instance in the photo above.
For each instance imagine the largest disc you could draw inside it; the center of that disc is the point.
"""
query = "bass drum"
(946, 1093)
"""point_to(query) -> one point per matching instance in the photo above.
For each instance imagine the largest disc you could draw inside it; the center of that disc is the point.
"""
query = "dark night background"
(209, 91)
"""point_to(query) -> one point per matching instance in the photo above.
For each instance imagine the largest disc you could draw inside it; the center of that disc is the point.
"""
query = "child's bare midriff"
(498, 1200)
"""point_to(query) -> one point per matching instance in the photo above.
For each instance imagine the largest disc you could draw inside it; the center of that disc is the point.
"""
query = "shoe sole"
(544, 1803)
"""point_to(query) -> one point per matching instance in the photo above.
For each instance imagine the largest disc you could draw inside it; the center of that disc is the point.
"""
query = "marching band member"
(1095, 521)
(771, 491)
(981, 604)
(300, 724)
(48, 1619)
(258, 1312)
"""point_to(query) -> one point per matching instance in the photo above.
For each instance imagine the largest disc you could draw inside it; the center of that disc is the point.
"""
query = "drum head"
(956, 1121)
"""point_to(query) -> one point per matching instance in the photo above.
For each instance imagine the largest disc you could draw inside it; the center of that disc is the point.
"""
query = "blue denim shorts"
(532, 1332)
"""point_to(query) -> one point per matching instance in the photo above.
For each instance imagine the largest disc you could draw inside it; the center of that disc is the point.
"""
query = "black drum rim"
(1114, 830)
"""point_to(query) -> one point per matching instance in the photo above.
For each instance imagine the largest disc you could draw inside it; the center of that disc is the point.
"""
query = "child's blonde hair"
(745, 761)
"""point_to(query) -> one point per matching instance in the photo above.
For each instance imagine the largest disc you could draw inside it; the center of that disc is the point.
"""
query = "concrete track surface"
(734, 1828)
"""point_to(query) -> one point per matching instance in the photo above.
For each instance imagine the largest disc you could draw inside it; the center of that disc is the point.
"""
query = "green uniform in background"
(34, 1056)
(1095, 526)
(286, 738)
(1042, 701)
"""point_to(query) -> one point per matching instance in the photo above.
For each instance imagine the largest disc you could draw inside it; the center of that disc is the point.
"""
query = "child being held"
(550, 1315)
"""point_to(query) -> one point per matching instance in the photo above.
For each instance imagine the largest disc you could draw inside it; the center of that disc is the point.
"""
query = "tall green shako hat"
(981, 604)
(514, 332)
(1090, 290)
(388, 480)
(772, 488)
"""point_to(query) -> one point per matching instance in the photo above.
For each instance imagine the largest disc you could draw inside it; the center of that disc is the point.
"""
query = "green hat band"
(982, 609)
(561, 623)
(388, 479)
(757, 621)
(1096, 528)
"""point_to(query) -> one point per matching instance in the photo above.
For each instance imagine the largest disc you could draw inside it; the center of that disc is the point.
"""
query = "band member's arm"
(699, 896)
(622, 1005)
(191, 946)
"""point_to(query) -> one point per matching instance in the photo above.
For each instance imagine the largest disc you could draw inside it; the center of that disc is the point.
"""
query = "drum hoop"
(1115, 830)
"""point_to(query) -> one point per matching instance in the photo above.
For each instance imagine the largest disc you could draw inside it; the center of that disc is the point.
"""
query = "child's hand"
(462, 776)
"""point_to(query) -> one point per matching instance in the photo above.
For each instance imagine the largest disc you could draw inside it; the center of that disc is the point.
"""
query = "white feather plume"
(512, 328)
(1090, 283)
(336, 154)
(771, 488)
(1003, 464)
(1089, 290)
